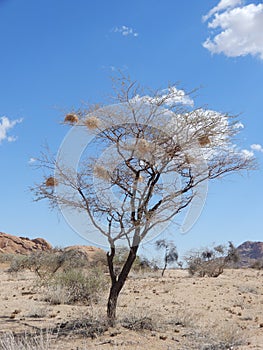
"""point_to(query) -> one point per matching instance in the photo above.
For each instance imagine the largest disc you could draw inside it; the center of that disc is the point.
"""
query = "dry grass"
(172, 312)
(223, 337)
(42, 341)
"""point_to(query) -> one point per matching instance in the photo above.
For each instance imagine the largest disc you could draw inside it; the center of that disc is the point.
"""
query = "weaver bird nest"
(71, 118)
(51, 182)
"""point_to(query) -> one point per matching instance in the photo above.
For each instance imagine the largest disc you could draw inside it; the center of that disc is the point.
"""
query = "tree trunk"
(165, 261)
(117, 284)
(165, 265)
(112, 303)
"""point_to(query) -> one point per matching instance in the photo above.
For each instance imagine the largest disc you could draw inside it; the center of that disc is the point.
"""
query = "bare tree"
(170, 255)
(155, 150)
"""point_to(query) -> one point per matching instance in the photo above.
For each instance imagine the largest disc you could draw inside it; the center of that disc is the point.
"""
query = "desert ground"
(171, 312)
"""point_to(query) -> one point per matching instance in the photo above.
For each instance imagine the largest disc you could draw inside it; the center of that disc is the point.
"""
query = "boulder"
(10, 244)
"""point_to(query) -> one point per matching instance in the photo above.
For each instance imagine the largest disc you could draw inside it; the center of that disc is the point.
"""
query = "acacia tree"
(155, 150)
(170, 255)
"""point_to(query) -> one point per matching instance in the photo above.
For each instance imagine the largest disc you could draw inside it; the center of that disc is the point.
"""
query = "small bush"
(258, 264)
(38, 312)
(55, 294)
(91, 327)
(223, 338)
(6, 258)
(138, 324)
(75, 286)
(139, 320)
(18, 263)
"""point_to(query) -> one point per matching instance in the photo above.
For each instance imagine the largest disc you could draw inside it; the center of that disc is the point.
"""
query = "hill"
(249, 252)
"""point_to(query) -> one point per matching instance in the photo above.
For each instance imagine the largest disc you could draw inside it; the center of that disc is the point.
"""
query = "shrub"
(62, 273)
(6, 258)
(89, 327)
(138, 324)
(211, 262)
(46, 264)
(18, 263)
(224, 337)
(75, 286)
(140, 320)
(258, 264)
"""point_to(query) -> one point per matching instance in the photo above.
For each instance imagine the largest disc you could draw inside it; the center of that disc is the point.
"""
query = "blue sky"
(56, 54)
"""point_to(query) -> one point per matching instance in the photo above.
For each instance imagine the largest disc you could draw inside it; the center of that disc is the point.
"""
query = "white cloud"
(171, 96)
(257, 147)
(223, 4)
(5, 126)
(240, 29)
(125, 31)
(247, 154)
(239, 125)
(32, 160)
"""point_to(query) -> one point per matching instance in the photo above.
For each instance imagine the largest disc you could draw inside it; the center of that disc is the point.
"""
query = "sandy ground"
(182, 312)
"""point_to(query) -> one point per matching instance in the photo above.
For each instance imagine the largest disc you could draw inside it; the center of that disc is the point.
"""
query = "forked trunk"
(118, 283)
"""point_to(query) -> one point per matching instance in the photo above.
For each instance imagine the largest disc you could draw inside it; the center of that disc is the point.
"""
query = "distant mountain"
(249, 252)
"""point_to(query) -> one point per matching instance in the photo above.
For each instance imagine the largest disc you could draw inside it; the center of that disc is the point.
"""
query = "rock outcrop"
(249, 252)
(10, 244)
(90, 253)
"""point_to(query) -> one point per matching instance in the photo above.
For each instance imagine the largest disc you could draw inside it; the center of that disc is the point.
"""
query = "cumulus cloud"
(257, 147)
(223, 4)
(171, 96)
(5, 126)
(247, 154)
(125, 31)
(240, 29)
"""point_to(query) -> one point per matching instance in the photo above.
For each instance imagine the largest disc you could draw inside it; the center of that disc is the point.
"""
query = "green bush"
(45, 264)
(6, 258)
(18, 263)
(76, 286)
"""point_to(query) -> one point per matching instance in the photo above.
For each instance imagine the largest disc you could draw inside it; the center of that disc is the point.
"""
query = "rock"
(10, 244)
(249, 252)
(89, 252)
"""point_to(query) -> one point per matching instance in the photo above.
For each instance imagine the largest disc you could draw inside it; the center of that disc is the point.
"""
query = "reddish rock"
(88, 251)
(10, 244)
